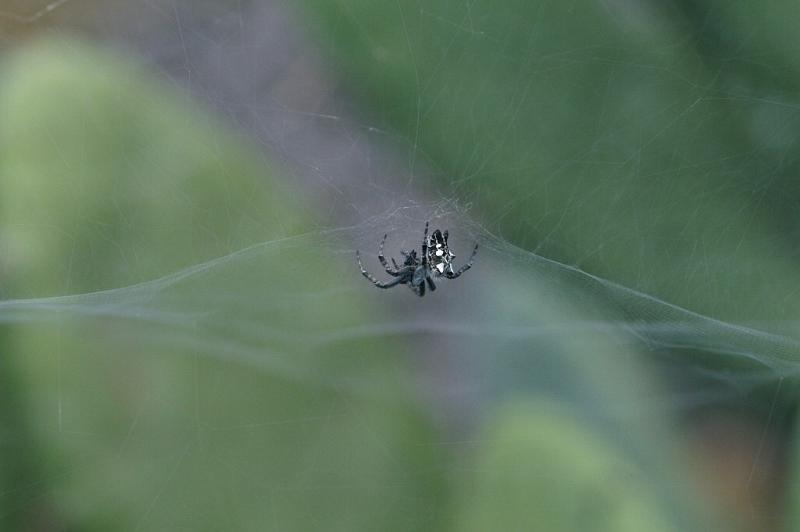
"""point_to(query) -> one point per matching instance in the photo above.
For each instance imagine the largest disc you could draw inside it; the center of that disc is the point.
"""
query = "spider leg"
(373, 280)
(396, 267)
(445, 235)
(393, 273)
(421, 290)
(431, 285)
(465, 267)
(425, 245)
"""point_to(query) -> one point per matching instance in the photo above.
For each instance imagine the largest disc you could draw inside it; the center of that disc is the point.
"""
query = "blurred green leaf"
(173, 405)
(537, 468)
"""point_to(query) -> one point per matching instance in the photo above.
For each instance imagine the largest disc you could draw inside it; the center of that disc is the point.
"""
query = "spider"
(436, 261)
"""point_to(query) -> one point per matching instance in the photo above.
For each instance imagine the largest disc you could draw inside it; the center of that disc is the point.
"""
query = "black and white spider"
(436, 261)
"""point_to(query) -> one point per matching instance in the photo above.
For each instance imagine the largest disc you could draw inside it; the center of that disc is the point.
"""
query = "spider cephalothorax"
(436, 261)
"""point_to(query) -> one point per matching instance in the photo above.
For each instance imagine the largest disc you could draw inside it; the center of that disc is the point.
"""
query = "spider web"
(635, 267)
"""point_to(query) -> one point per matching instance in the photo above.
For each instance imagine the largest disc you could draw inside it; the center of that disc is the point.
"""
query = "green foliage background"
(255, 390)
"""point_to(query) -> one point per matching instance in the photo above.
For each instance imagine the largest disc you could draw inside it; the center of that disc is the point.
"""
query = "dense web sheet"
(219, 306)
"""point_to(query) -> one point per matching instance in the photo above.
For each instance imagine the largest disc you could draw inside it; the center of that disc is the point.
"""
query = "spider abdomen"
(440, 258)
